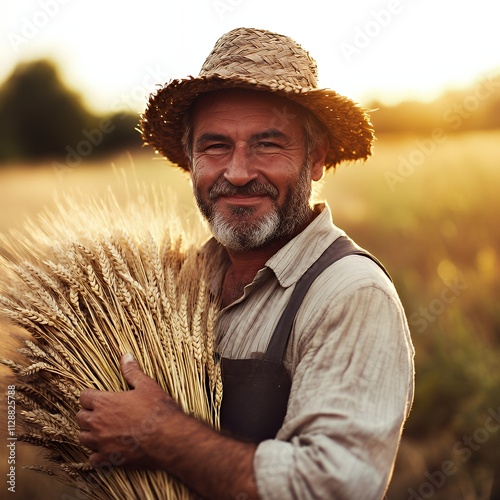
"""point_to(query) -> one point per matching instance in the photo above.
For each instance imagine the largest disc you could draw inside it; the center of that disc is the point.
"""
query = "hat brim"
(350, 130)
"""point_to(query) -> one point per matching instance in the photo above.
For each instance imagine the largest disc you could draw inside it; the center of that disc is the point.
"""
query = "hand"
(124, 428)
(144, 428)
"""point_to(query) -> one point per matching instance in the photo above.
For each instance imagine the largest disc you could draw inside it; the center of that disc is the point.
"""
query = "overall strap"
(340, 248)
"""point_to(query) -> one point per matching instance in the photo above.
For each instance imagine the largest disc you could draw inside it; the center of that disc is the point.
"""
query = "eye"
(268, 147)
(217, 148)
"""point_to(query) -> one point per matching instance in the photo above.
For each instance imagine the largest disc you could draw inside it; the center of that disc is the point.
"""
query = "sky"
(116, 52)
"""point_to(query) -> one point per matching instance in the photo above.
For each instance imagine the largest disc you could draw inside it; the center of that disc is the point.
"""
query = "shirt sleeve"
(351, 393)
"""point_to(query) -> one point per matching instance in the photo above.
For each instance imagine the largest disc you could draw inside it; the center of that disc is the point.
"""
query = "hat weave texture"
(258, 60)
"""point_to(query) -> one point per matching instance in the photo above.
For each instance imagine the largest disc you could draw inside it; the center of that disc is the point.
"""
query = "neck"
(243, 267)
(248, 262)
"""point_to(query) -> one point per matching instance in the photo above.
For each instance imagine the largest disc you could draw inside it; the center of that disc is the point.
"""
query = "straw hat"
(259, 60)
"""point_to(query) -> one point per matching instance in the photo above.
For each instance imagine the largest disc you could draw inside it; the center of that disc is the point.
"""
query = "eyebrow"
(269, 134)
(265, 134)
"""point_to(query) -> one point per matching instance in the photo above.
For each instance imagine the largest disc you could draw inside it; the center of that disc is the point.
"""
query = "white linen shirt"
(350, 358)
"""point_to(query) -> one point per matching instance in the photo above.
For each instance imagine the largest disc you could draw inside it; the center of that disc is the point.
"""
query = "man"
(317, 385)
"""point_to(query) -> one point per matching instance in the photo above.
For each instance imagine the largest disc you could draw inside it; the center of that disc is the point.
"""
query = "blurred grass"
(437, 231)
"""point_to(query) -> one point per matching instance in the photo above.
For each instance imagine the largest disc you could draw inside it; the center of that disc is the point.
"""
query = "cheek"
(283, 180)
(198, 175)
(202, 179)
(203, 171)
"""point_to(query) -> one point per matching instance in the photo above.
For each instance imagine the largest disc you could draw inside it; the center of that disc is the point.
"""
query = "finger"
(82, 420)
(132, 371)
(88, 398)
(97, 460)
(87, 439)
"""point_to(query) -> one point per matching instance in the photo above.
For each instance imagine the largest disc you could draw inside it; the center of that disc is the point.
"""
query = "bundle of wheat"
(88, 284)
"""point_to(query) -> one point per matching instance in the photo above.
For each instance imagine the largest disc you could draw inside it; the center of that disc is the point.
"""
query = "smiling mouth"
(245, 204)
(241, 199)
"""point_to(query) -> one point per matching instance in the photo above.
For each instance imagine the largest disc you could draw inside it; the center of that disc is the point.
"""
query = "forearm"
(212, 465)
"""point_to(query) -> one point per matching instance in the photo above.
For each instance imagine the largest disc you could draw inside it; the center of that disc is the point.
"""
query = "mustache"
(253, 188)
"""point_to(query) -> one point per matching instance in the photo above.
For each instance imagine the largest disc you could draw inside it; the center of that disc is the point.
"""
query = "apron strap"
(340, 248)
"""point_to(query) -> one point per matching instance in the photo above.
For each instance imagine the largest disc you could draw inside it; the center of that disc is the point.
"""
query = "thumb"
(132, 371)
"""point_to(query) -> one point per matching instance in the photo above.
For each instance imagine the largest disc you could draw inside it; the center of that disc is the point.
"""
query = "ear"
(318, 160)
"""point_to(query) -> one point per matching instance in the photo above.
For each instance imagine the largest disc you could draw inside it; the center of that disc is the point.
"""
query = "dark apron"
(256, 391)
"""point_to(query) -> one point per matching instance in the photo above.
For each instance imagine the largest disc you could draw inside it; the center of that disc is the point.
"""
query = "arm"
(144, 428)
(350, 395)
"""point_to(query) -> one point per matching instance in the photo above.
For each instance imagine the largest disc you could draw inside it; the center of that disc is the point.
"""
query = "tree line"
(42, 119)
(474, 108)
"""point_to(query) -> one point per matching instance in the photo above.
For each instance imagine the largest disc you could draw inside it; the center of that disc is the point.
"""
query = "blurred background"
(75, 75)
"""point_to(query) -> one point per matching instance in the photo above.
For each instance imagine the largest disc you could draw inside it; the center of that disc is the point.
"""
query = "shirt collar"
(300, 253)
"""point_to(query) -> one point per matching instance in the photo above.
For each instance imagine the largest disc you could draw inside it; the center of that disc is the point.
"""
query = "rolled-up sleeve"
(352, 389)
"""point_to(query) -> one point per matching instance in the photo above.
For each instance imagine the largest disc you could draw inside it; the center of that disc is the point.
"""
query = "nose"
(240, 169)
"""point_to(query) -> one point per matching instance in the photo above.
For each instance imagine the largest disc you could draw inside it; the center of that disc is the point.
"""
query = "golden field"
(428, 207)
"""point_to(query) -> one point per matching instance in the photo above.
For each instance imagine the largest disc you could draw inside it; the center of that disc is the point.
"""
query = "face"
(250, 174)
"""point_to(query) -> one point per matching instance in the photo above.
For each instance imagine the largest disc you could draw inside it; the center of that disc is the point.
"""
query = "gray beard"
(238, 234)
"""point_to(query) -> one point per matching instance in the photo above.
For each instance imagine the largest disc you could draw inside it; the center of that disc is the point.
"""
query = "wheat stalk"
(88, 283)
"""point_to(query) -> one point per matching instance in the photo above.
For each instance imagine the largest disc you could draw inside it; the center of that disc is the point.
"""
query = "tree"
(39, 115)
(42, 119)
